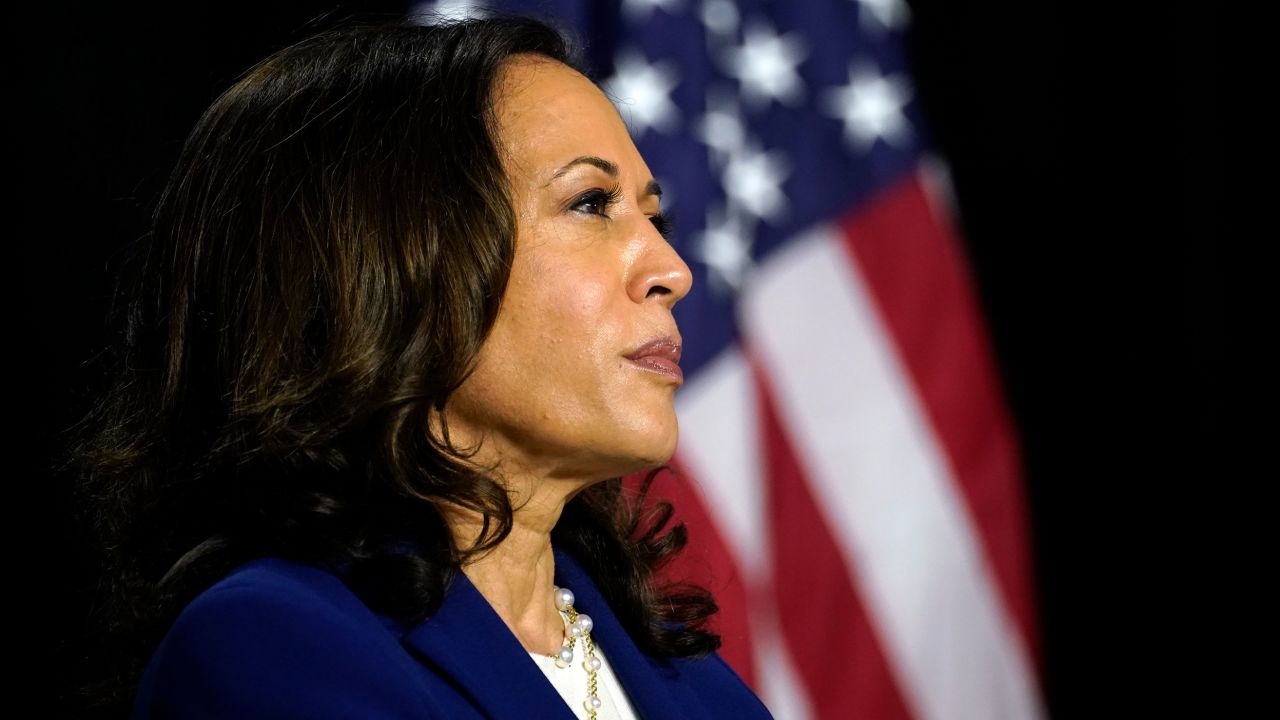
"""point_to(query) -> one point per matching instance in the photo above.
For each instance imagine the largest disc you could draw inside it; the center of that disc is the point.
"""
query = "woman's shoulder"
(273, 580)
(272, 634)
(291, 594)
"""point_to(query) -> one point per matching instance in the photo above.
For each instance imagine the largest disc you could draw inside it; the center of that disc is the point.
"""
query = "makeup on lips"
(660, 355)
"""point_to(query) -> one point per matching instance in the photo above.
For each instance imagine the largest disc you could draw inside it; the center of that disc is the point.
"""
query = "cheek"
(561, 304)
(552, 376)
(576, 327)
(558, 328)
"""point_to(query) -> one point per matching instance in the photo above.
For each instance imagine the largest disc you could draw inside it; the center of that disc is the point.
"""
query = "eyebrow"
(609, 168)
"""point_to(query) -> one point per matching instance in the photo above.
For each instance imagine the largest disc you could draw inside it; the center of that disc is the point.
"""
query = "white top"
(571, 683)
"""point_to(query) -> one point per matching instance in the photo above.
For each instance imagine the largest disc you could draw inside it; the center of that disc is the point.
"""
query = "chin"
(644, 441)
(654, 453)
(637, 465)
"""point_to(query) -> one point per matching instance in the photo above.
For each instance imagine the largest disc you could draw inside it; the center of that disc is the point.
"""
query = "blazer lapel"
(467, 640)
(653, 685)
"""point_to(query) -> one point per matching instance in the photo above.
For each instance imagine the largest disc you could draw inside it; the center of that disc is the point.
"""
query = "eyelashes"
(665, 225)
(597, 201)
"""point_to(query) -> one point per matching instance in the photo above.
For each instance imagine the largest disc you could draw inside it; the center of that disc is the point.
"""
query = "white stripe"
(885, 486)
(719, 443)
(720, 446)
(780, 687)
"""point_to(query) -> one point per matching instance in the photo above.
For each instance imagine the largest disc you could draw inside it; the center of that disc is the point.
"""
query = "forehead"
(548, 113)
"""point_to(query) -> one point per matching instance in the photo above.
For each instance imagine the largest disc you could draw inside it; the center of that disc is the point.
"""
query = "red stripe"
(830, 636)
(915, 269)
(707, 561)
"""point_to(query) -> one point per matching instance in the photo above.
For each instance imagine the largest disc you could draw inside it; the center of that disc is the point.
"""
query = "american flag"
(847, 468)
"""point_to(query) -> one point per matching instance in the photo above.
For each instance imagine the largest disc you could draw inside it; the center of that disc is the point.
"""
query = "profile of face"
(576, 379)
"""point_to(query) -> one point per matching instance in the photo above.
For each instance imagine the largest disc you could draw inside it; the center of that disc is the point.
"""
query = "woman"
(404, 321)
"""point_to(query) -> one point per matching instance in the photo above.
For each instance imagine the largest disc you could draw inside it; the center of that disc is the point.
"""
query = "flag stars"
(766, 65)
(725, 248)
(721, 128)
(642, 92)
(720, 16)
(871, 106)
(752, 180)
(639, 10)
(888, 14)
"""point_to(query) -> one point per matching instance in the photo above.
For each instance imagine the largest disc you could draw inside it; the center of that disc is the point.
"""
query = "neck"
(517, 576)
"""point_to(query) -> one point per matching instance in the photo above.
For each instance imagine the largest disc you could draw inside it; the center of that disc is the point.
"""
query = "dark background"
(1084, 152)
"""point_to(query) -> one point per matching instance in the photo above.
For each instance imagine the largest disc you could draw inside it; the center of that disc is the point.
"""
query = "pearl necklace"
(579, 626)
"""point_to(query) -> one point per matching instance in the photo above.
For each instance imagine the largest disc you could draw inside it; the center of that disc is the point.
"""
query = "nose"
(659, 271)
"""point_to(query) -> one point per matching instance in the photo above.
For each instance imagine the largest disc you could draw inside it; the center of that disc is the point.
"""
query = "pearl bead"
(592, 703)
(585, 622)
(593, 663)
(564, 598)
(565, 657)
(575, 630)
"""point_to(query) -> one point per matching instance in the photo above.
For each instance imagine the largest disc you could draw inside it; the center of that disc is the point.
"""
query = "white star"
(639, 10)
(766, 65)
(871, 107)
(644, 90)
(720, 16)
(427, 13)
(753, 181)
(721, 128)
(725, 248)
(890, 14)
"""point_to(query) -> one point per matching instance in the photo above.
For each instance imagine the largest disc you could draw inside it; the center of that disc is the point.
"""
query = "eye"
(665, 225)
(596, 201)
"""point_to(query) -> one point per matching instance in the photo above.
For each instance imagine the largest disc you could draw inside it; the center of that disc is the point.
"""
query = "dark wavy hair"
(325, 262)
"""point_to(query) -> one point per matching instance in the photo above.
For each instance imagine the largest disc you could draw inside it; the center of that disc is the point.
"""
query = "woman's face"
(564, 386)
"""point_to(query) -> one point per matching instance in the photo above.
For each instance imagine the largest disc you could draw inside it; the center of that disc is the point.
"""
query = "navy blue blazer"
(279, 639)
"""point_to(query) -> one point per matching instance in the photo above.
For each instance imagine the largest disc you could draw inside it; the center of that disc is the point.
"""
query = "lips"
(660, 355)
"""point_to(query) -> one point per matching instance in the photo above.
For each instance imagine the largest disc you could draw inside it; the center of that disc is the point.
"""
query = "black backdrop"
(1088, 182)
